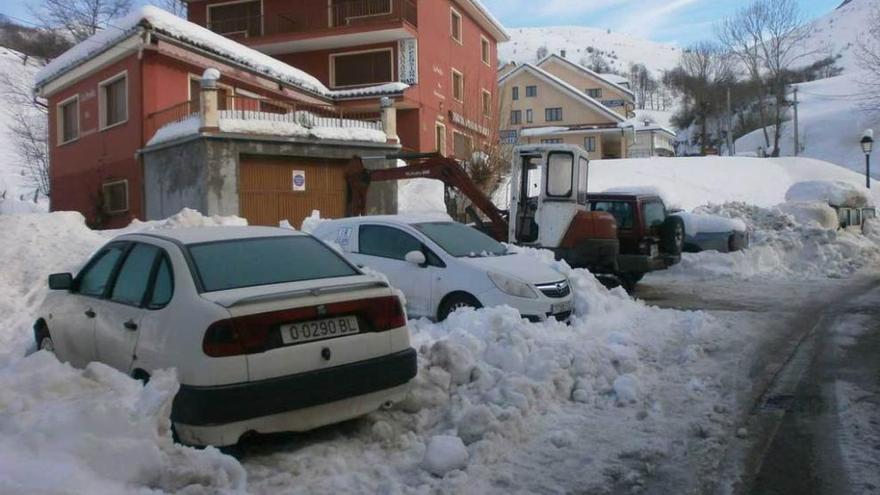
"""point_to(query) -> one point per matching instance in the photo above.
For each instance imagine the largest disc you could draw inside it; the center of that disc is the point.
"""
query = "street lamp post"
(867, 143)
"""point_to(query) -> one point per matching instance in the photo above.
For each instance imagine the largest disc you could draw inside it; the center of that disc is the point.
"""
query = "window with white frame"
(515, 117)
(531, 91)
(551, 141)
(68, 120)
(455, 25)
(462, 145)
(594, 92)
(440, 138)
(485, 50)
(529, 116)
(113, 100)
(590, 143)
(457, 85)
(486, 102)
(515, 92)
(115, 196)
(553, 114)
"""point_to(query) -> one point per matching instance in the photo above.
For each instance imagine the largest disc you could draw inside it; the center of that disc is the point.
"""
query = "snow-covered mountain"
(837, 32)
(618, 49)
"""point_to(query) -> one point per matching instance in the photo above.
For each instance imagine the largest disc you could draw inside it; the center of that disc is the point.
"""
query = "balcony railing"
(314, 17)
(270, 112)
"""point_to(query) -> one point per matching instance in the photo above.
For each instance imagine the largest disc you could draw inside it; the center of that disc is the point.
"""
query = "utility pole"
(797, 136)
(730, 150)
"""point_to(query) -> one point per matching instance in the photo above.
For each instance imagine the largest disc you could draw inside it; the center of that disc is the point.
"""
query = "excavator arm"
(422, 166)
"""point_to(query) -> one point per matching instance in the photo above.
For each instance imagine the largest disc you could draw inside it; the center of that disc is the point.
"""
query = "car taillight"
(386, 313)
(222, 340)
(251, 334)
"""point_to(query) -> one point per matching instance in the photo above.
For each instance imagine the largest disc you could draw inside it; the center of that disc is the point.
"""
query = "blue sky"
(671, 21)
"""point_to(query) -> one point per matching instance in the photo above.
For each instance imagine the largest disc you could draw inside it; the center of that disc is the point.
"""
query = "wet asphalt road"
(802, 438)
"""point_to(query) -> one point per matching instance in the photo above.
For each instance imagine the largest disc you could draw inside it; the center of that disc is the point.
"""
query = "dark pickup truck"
(650, 238)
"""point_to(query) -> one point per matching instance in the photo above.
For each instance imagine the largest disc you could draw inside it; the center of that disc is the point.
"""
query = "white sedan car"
(269, 329)
(441, 265)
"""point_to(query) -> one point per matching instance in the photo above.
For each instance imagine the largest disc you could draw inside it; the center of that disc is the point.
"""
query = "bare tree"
(80, 18)
(868, 54)
(767, 38)
(28, 126)
(704, 73)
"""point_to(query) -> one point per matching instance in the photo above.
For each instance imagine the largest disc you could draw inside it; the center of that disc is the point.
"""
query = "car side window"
(134, 276)
(386, 242)
(163, 285)
(655, 214)
(93, 281)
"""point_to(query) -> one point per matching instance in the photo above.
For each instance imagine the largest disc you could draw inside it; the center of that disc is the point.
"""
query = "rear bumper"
(641, 263)
(599, 255)
(216, 405)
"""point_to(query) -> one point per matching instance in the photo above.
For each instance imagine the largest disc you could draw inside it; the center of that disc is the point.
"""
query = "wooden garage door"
(266, 193)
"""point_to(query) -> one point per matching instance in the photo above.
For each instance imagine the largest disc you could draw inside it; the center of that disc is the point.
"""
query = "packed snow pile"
(98, 431)
(495, 392)
(14, 206)
(691, 182)
(835, 193)
(794, 240)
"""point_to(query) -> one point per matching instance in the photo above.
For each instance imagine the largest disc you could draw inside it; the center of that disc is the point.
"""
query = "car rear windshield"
(262, 261)
(460, 240)
(621, 210)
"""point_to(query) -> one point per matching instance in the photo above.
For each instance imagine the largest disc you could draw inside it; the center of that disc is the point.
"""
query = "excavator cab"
(548, 206)
(547, 183)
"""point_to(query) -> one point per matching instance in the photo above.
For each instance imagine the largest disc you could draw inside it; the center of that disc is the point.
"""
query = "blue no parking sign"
(299, 180)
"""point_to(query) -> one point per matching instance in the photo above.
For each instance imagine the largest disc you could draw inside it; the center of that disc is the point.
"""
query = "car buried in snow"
(441, 266)
(705, 232)
(269, 329)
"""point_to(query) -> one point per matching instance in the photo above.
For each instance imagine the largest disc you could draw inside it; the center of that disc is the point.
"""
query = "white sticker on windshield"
(343, 236)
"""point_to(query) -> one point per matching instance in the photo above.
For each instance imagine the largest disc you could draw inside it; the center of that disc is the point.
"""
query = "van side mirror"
(61, 281)
(416, 258)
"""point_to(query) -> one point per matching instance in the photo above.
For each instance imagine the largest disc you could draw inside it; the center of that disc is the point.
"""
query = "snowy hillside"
(12, 70)
(831, 124)
(837, 32)
(618, 49)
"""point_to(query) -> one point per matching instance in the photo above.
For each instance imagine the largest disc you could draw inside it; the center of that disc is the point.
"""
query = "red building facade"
(446, 50)
(109, 95)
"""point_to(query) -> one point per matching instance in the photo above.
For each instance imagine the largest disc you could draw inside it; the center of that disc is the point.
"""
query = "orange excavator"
(548, 207)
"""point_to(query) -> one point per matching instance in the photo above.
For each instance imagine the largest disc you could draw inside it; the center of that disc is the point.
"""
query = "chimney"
(562, 53)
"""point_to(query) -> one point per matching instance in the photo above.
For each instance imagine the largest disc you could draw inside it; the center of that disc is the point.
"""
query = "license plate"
(297, 333)
(562, 307)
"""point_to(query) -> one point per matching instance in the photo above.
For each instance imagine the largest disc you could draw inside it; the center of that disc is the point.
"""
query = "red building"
(446, 50)
(109, 94)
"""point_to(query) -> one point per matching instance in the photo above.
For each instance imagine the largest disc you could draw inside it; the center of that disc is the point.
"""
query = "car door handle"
(90, 313)
(131, 325)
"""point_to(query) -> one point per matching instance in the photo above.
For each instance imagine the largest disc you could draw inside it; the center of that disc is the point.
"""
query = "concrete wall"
(202, 172)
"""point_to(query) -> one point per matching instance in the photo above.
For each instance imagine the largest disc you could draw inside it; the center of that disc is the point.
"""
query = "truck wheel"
(457, 301)
(672, 237)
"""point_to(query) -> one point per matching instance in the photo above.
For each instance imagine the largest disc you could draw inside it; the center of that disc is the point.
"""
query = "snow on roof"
(542, 131)
(578, 94)
(615, 78)
(158, 20)
(833, 192)
(586, 71)
(492, 20)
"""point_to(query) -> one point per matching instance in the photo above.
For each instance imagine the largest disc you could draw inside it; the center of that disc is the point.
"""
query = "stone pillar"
(210, 114)
(389, 119)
